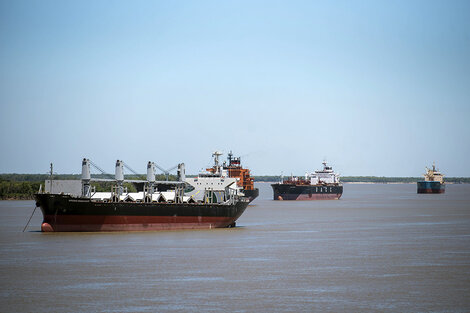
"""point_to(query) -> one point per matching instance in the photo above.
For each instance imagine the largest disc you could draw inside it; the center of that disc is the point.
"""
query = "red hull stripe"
(330, 196)
(131, 223)
(429, 190)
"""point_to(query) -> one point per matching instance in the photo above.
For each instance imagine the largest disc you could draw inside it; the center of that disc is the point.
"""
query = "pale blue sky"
(375, 87)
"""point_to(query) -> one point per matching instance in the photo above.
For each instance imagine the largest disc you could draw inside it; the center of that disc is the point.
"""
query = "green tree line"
(372, 179)
(18, 190)
(23, 186)
(43, 177)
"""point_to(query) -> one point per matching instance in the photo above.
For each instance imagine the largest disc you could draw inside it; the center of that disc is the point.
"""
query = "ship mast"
(229, 157)
(50, 179)
(150, 181)
(86, 177)
(119, 177)
(216, 155)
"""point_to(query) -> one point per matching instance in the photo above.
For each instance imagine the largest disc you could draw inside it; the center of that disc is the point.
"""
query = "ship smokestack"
(181, 172)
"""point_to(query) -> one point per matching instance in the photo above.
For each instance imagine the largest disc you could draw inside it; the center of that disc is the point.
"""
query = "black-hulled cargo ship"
(63, 213)
(433, 182)
(320, 185)
(150, 209)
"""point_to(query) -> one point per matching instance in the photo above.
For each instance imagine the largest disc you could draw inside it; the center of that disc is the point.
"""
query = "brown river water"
(381, 248)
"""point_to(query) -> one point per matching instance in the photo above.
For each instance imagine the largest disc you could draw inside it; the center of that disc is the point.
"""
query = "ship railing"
(209, 195)
(92, 191)
(233, 195)
(117, 191)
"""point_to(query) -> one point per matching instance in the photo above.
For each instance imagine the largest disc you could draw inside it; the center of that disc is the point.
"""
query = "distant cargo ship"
(433, 181)
(320, 185)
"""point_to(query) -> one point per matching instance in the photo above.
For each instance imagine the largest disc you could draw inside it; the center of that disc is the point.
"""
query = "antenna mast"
(50, 177)
(216, 155)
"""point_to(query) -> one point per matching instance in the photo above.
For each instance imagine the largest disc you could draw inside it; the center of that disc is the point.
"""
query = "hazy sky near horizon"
(374, 87)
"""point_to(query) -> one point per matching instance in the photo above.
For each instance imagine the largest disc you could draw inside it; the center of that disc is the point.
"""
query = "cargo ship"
(433, 181)
(320, 185)
(234, 169)
(150, 209)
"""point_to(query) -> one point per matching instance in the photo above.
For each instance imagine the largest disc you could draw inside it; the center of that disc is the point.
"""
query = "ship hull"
(251, 194)
(306, 192)
(431, 187)
(64, 213)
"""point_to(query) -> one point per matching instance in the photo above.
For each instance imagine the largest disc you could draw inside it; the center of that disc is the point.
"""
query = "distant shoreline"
(367, 183)
(13, 177)
(23, 186)
(374, 179)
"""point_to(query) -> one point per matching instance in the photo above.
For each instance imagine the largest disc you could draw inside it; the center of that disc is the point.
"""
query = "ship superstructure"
(150, 209)
(324, 176)
(234, 170)
(215, 179)
(320, 185)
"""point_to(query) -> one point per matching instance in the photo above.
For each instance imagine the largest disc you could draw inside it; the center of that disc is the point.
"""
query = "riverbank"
(374, 179)
(23, 186)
